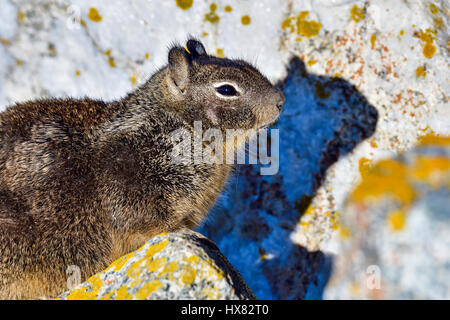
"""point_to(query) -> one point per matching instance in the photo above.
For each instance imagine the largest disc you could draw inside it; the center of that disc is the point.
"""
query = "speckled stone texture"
(182, 265)
(394, 233)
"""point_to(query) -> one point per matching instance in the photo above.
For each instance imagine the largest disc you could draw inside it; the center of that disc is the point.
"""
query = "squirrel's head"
(230, 94)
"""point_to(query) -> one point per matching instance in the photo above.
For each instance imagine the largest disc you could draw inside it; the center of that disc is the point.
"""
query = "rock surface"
(182, 265)
(357, 57)
(394, 231)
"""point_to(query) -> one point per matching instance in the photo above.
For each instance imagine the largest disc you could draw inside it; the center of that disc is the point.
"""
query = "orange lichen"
(94, 15)
(306, 28)
(184, 4)
(147, 56)
(228, 9)
(396, 220)
(245, 20)
(4, 41)
(357, 13)
(108, 52)
(212, 16)
(386, 178)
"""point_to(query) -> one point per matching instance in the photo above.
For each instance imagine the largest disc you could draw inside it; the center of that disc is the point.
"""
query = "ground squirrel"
(83, 182)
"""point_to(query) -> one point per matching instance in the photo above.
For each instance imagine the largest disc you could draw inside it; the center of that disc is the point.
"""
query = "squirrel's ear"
(179, 67)
(196, 48)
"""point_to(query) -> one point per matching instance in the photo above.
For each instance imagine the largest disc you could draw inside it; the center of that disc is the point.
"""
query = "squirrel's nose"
(280, 100)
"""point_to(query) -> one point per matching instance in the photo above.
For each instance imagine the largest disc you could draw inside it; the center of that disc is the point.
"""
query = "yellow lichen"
(148, 288)
(287, 23)
(364, 166)
(220, 53)
(429, 50)
(311, 62)
(94, 15)
(428, 36)
(193, 259)
(210, 293)
(4, 41)
(373, 38)
(212, 16)
(155, 248)
(133, 79)
(433, 139)
(111, 62)
(245, 20)
(156, 264)
(396, 220)
(108, 52)
(120, 262)
(228, 9)
(147, 55)
(169, 270)
(96, 282)
(386, 178)
(123, 294)
(81, 294)
(306, 28)
(438, 22)
(344, 232)
(420, 72)
(184, 4)
(433, 8)
(188, 275)
(19, 62)
(78, 73)
(20, 16)
(357, 13)
(373, 143)
(433, 170)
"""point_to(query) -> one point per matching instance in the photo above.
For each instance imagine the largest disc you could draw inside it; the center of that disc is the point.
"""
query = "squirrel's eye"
(227, 90)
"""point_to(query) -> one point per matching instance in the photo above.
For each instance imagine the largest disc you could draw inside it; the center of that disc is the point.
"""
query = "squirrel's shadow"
(323, 118)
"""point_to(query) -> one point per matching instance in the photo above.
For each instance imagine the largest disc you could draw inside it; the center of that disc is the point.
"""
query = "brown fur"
(83, 182)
